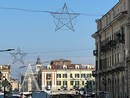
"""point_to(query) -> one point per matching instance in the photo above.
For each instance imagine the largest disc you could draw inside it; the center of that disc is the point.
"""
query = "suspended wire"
(25, 10)
(91, 14)
(41, 11)
(78, 56)
(71, 50)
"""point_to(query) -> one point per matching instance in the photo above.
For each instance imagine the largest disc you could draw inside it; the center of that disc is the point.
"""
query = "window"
(116, 37)
(115, 59)
(89, 75)
(113, 14)
(58, 82)
(118, 57)
(58, 75)
(71, 76)
(64, 75)
(107, 21)
(82, 82)
(110, 61)
(76, 75)
(124, 6)
(124, 55)
(48, 76)
(93, 82)
(89, 84)
(71, 82)
(77, 83)
(48, 82)
(82, 75)
(64, 83)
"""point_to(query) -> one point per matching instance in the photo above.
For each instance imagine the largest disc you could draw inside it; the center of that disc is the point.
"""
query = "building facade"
(15, 85)
(112, 52)
(62, 77)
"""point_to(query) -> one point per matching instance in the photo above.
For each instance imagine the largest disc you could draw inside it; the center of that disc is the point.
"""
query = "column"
(45, 78)
(42, 80)
(55, 79)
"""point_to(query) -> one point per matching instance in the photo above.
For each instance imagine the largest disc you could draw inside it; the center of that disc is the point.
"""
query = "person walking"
(21, 95)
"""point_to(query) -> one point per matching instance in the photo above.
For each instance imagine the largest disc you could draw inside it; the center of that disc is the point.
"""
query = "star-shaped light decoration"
(64, 18)
(18, 56)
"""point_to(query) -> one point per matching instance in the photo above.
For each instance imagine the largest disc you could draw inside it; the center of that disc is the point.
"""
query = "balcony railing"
(64, 87)
(118, 67)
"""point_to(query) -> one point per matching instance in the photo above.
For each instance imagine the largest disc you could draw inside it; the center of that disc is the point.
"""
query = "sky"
(34, 32)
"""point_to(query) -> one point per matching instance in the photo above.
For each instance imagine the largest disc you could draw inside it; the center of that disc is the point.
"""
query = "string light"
(42, 11)
(58, 51)
(64, 17)
(18, 56)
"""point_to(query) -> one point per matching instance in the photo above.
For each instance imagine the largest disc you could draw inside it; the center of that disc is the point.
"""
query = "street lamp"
(6, 50)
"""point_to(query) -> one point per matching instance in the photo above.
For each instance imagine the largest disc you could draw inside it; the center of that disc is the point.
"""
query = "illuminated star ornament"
(64, 18)
(18, 56)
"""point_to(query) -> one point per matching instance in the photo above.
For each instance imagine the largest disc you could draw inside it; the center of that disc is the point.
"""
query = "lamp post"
(6, 50)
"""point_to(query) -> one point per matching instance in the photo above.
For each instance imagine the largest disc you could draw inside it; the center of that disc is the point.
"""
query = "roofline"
(110, 10)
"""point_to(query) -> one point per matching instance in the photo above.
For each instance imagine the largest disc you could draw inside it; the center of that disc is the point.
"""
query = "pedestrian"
(21, 95)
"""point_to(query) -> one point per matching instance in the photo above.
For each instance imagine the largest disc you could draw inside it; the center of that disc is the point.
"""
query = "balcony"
(76, 87)
(64, 87)
(115, 68)
(108, 46)
(119, 67)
